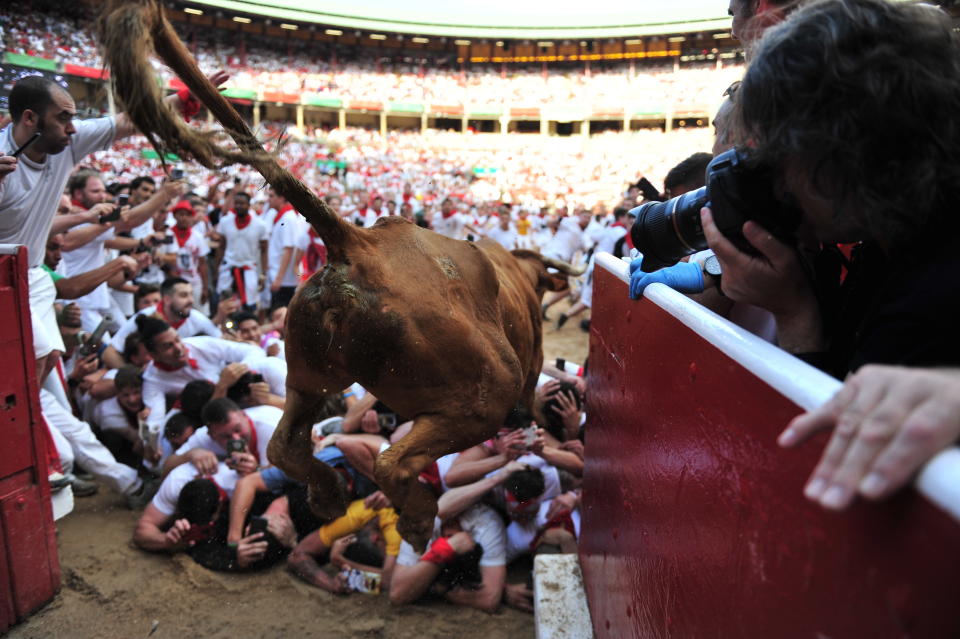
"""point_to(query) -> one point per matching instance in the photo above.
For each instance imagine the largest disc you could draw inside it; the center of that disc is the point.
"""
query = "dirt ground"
(112, 590)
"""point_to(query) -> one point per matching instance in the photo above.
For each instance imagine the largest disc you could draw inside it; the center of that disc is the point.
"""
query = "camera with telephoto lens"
(737, 190)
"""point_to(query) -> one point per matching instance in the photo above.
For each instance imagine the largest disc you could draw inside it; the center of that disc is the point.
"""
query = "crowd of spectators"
(171, 295)
(297, 67)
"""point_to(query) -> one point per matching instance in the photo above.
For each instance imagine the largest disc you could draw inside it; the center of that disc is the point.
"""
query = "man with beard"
(175, 308)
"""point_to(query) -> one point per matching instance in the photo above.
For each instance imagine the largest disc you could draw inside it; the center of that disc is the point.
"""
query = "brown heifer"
(445, 331)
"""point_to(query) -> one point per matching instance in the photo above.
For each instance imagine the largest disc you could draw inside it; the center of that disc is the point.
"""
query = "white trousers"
(76, 443)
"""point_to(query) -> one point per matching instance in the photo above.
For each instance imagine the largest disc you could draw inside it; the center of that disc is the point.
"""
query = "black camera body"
(736, 191)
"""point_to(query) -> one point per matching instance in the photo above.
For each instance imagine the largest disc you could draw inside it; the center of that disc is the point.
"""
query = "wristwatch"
(711, 266)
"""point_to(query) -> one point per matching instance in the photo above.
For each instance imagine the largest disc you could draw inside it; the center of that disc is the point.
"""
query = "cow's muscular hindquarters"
(415, 318)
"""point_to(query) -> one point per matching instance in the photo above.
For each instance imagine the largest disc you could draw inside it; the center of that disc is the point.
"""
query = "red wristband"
(440, 553)
(189, 105)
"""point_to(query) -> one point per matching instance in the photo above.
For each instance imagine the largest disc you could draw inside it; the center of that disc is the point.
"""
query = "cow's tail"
(128, 30)
(563, 267)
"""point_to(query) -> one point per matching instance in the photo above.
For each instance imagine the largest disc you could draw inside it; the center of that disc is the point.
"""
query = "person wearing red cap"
(187, 256)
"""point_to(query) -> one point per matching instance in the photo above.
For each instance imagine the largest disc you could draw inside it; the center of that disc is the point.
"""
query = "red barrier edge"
(694, 521)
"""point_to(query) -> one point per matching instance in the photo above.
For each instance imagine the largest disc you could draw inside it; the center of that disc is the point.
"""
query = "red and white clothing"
(507, 239)
(285, 230)
(194, 324)
(263, 421)
(208, 356)
(189, 247)
(241, 259)
(166, 498)
(452, 225)
(83, 259)
(566, 241)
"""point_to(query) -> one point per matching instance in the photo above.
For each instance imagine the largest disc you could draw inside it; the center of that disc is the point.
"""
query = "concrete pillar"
(504, 124)
(383, 124)
(544, 126)
(585, 128)
(626, 121)
(300, 117)
(423, 121)
(256, 114)
(342, 119)
(464, 122)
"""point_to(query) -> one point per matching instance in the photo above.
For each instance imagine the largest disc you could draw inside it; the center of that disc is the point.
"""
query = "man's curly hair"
(865, 94)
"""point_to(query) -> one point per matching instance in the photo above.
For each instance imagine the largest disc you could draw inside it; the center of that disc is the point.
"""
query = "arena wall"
(695, 524)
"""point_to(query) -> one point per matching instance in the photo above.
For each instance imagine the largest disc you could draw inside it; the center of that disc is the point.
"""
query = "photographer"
(831, 101)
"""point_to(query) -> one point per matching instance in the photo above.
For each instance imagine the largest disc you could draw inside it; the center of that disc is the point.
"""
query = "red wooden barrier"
(29, 568)
(695, 524)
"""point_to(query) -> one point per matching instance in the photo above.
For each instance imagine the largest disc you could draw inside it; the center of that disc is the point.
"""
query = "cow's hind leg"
(398, 469)
(291, 450)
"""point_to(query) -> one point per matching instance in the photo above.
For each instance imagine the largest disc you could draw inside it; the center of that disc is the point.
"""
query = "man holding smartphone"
(31, 184)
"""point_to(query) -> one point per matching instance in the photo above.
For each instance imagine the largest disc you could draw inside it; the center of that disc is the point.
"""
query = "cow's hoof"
(326, 504)
(416, 533)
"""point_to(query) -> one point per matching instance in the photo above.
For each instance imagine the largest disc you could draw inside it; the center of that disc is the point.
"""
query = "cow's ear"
(553, 281)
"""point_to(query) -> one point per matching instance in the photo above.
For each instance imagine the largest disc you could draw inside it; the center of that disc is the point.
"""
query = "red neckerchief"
(620, 224)
(521, 510)
(252, 444)
(171, 369)
(242, 225)
(174, 324)
(316, 254)
(182, 235)
(78, 204)
(281, 213)
(450, 214)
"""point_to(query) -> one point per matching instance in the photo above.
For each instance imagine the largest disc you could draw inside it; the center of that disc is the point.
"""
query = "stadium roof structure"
(540, 19)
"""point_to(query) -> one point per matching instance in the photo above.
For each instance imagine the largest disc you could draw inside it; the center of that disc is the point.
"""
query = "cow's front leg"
(399, 467)
(291, 450)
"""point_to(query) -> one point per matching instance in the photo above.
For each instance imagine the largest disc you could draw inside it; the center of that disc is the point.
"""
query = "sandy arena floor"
(112, 590)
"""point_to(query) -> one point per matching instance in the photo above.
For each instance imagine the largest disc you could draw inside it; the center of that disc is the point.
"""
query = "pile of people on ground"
(158, 314)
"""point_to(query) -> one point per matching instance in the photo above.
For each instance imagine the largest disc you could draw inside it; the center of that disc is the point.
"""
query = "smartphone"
(562, 364)
(257, 525)
(236, 446)
(114, 215)
(176, 174)
(92, 344)
(167, 239)
(529, 436)
(387, 421)
(33, 138)
(649, 191)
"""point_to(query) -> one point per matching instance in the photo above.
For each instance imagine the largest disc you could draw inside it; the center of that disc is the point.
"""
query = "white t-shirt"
(188, 255)
(195, 324)
(166, 498)
(264, 420)
(485, 527)
(567, 240)
(84, 259)
(209, 354)
(608, 239)
(507, 239)
(243, 245)
(29, 196)
(453, 227)
(284, 232)
(109, 415)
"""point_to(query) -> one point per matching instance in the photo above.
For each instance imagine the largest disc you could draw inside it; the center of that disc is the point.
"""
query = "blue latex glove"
(682, 276)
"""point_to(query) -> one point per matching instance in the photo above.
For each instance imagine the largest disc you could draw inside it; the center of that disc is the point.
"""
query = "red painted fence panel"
(694, 522)
(29, 567)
